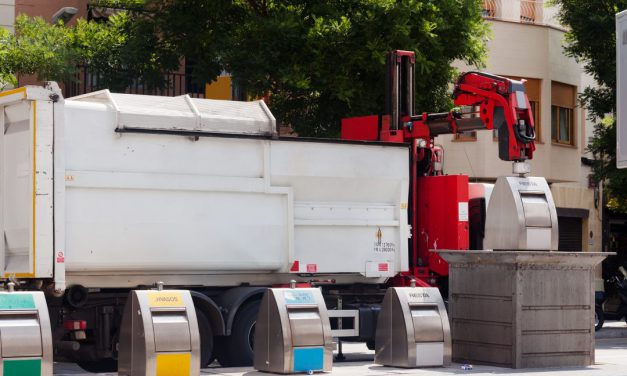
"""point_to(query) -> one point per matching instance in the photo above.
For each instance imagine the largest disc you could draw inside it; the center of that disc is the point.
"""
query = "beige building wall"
(534, 51)
(531, 51)
(7, 14)
(46, 8)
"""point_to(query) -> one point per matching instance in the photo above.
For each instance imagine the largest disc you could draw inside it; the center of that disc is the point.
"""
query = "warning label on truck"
(384, 247)
(381, 246)
(463, 211)
(165, 299)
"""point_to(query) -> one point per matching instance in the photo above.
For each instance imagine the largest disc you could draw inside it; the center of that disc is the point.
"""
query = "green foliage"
(592, 40)
(323, 60)
(116, 53)
(40, 49)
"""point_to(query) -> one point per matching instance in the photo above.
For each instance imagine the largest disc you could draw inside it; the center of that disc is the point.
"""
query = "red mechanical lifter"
(439, 203)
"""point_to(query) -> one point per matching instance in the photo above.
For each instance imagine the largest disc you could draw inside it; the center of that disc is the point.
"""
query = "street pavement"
(611, 360)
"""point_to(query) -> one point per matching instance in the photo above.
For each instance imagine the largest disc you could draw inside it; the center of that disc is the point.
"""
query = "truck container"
(105, 192)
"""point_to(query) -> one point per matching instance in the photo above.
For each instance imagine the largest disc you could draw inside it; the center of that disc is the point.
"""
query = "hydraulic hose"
(522, 136)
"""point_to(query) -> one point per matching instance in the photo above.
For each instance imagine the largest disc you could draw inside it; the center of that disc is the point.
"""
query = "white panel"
(429, 354)
(184, 113)
(44, 202)
(539, 238)
(92, 145)
(119, 229)
(621, 94)
(17, 162)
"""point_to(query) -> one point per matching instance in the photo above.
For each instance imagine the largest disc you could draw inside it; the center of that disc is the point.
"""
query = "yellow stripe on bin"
(174, 364)
(13, 91)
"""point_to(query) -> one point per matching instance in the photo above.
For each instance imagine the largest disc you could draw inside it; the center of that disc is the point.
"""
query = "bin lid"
(184, 113)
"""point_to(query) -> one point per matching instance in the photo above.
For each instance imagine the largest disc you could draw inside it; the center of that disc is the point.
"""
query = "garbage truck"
(107, 192)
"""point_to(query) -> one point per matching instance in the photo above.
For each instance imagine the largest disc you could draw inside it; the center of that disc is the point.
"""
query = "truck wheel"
(370, 345)
(97, 366)
(599, 318)
(206, 339)
(238, 347)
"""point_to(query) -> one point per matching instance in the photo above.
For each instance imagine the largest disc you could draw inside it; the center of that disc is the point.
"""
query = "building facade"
(7, 14)
(527, 43)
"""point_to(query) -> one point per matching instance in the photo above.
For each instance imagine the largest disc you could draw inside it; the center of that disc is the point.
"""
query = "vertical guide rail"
(59, 181)
(399, 83)
(2, 190)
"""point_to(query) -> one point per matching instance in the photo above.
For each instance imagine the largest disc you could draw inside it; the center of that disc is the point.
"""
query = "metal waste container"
(159, 335)
(413, 329)
(25, 335)
(521, 215)
(293, 333)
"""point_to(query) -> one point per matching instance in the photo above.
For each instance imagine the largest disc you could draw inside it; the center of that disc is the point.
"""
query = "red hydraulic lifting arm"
(502, 104)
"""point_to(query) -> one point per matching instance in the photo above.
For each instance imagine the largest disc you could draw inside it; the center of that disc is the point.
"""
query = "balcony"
(529, 11)
(524, 11)
(176, 84)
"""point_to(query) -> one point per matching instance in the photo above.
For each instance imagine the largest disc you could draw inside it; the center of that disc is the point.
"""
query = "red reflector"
(383, 267)
(295, 266)
(312, 268)
(75, 325)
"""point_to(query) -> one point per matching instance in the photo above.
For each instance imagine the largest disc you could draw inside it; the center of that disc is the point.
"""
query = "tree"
(116, 53)
(323, 60)
(591, 39)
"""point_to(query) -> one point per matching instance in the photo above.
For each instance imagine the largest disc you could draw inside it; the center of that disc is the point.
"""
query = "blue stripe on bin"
(308, 359)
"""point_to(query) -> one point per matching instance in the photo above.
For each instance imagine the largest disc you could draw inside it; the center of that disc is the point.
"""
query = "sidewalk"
(611, 360)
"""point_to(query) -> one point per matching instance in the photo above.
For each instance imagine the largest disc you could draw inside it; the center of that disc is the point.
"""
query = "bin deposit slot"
(171, 330)
(536, 209)
(306, 327)
(20, 335)
(427, 323)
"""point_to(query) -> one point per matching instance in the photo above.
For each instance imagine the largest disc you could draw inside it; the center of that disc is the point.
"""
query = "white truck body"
(115, 190)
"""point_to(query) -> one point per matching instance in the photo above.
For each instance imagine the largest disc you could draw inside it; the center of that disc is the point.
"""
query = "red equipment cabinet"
(442, 210)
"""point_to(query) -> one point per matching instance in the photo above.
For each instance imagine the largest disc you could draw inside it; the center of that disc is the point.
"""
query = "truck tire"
(98, 366)
(237, 349)
(206, 339)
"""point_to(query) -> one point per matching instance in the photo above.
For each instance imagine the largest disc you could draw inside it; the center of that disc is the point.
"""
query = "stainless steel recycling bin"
(159, 335)
(293, 333)
(25, 335)
(413, 329)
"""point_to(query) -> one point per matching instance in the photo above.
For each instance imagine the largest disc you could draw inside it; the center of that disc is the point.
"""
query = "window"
(562, 113)
(532, 87)
(561, 125)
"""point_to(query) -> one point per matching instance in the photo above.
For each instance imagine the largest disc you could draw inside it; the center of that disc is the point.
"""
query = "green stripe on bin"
(22, 367)
(17, 301)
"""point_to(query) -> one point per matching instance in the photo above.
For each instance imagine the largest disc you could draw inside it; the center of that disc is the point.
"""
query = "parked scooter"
(612, 306)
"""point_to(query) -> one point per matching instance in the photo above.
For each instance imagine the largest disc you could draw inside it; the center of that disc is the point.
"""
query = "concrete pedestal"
(522, 309)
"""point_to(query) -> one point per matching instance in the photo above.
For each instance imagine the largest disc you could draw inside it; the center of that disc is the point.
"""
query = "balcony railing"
(524, 11)
(176, 84)
(489, 8)
(529, 11)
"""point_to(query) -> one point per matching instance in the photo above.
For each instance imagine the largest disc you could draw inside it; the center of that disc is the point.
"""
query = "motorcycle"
(612, 306)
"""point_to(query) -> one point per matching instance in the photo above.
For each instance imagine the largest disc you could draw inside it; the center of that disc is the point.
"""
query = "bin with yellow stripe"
(159, 335)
